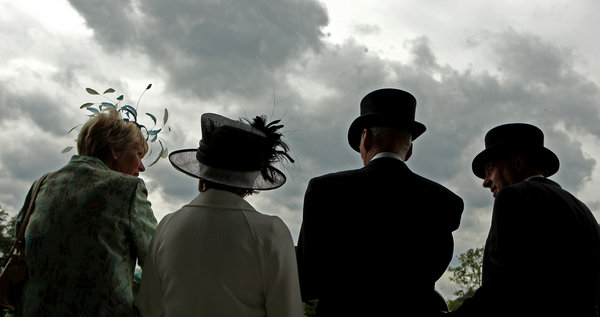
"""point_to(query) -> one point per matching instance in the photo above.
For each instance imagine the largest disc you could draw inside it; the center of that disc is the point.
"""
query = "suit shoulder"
(335, 176)
(534, 185)
(430, 185)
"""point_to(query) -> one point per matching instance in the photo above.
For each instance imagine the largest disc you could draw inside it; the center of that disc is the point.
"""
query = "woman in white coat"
(217, 255)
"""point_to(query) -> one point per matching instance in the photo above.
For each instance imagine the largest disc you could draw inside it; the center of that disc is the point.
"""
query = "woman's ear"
(112, 152)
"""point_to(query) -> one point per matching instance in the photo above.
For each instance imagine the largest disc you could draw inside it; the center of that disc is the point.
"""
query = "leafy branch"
(467, 275)
(129, 114)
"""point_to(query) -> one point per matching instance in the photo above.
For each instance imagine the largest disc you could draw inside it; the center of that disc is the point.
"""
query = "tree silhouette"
(467, 275)
(7, 237)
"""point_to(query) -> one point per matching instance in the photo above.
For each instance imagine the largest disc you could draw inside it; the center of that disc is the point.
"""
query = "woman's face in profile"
(130, 161)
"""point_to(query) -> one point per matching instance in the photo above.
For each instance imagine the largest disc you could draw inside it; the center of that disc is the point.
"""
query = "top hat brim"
(548, 161)
(376, 119)
(186, 162)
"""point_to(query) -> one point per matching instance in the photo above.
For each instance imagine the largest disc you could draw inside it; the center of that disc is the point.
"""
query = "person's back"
(376, 239)
(217, 256)
(553, 251)
(79, 242)
(384, 252)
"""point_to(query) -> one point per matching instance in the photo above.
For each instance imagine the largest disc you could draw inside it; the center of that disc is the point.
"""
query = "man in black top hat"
(542, 254)
(375, 240)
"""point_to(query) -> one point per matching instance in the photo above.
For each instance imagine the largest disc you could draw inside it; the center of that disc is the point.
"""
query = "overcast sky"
(471, 65)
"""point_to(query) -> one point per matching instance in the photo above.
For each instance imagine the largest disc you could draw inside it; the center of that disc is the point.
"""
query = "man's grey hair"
(389, 138)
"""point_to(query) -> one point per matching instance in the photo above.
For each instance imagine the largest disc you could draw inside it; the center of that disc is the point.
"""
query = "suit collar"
(389, 162)
(387, 154)
(542, 180)
(221, 199)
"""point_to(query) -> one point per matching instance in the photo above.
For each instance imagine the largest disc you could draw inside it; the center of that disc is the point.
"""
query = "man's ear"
(519, 163)
(408, 153)
(366, 139)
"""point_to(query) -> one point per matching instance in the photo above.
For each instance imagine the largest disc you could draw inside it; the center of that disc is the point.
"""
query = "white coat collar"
(215, 198)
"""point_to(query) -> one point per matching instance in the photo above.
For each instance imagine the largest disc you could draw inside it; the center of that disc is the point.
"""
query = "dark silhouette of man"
(376, 239)
(542, 254)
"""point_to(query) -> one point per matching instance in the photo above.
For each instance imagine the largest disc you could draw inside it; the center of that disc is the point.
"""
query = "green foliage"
(454, 304)
(6, 235)
(467, 275)
(130, 113)
(310, 308)
(7, 240)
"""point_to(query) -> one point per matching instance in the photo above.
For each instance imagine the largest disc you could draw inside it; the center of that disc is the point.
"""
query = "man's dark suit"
(375, 240)
(542, 255)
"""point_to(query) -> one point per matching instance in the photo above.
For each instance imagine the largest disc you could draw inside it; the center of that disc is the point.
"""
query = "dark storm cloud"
(211, 47)
(40, 108)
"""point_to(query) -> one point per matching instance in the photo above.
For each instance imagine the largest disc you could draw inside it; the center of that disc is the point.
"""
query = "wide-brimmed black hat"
(385, 107)
(513, 138)
(233, 153)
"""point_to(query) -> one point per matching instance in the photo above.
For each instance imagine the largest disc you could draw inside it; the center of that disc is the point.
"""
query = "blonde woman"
(92, 222)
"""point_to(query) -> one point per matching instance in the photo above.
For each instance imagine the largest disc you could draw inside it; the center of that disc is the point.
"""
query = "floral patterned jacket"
(89, 227)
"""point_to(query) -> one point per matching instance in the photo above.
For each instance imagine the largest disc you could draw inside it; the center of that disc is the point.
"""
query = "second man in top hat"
(542, 254)
(375, 239)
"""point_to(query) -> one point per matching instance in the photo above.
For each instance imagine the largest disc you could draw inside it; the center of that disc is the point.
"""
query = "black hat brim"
(372, 120)
(547, 160)
(186, 162)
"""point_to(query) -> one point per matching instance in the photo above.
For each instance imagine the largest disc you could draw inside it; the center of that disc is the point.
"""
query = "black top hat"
(235, 153)
(513, 138)
(385, 107)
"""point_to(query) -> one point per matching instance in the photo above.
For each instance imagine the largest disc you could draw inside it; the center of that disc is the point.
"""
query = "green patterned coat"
(89, 226)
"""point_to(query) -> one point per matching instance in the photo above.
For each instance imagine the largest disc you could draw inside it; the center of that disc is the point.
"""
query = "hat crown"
(512, 138)
(515, 133)
(393, 102)
(235, 153)
(387, 107)
(230, 144)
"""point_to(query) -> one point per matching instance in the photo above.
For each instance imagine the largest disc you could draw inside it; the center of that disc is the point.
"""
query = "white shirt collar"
(534, 176)
(387, 154)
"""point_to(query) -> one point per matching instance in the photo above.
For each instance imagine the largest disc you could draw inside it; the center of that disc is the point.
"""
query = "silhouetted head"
(512, 153)
(387, 107)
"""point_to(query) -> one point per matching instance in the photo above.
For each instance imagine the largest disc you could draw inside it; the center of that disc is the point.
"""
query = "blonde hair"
(106, 130)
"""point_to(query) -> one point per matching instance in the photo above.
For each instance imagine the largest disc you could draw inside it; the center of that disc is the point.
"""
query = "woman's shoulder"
(91, 172)
(265, 224)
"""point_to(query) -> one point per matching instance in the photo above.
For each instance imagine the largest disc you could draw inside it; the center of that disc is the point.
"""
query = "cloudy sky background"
(471, 65)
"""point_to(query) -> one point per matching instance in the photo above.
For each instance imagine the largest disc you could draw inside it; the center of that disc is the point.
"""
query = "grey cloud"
(366, 29)
(24, 158)
(423, 56)
(575, 168)
(528, 57)
(43, 108)
(178, 187)
(211, 46)
(458, 107)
